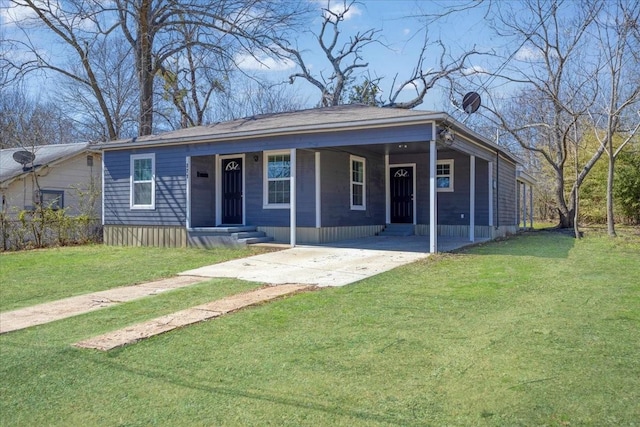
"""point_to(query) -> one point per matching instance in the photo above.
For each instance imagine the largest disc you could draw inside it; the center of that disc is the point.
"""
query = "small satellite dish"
(24, 157)
(446, 136)
(471, 102)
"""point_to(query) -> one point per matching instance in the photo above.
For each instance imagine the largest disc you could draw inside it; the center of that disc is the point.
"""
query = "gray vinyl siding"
(170, 189)
(506, 197)
(336, 191)
(482, 192)
(452, 205)
(203, 200)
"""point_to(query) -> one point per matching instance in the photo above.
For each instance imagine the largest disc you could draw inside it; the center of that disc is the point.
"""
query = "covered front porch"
(434, 188)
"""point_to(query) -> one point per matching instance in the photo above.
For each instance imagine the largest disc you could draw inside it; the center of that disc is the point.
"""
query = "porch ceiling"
(396, 148)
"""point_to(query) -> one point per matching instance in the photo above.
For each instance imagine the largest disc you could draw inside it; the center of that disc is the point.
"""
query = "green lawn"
(33, 277)
(539, 329)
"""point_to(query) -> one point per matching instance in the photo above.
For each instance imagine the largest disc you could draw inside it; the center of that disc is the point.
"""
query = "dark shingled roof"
(311, 119)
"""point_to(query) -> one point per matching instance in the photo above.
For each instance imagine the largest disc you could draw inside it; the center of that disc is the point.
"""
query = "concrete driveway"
(336, 264)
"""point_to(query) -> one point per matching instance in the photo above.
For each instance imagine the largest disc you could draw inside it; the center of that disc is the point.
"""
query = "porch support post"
(292, 198)
(318, 192)
(525, 211)
(433, 198)
(387, 190)
(218, 173)
(518, 200)
(188, 178)
(530, 205)
(490, 194)
(472, 198)
(102, 192)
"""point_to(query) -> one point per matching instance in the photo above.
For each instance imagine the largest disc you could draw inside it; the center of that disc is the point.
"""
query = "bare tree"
(155, 32)
(554, 85)
(26, 123)
(192, 76)
(248, 97)
(616, 115)
(346, 57)
(76, 25)
(115, 73)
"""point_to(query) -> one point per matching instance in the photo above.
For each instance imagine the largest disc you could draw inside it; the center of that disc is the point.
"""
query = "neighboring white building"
(65, 174)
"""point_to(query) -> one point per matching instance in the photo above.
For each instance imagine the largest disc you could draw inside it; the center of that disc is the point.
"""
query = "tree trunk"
(576, 213)
(610, 220)
(565, 213)
(566, 219)
(145, 69)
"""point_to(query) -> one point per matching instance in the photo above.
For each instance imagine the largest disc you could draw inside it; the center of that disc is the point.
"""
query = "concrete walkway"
(73, 306)
(187, 317)
(288, 271)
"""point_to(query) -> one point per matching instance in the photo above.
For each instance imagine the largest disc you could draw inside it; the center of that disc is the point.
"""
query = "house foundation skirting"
(145, 235)
(480, 231)
(164, 236)
(310, 235)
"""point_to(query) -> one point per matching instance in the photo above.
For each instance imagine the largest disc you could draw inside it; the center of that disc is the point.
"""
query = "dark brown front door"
(232, 191)
(401, 194)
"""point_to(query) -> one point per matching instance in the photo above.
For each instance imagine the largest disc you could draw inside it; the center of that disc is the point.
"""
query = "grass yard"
(539, 329)
(32, 277)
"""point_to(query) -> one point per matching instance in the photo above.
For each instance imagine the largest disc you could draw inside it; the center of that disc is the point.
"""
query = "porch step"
(210, 237)
(254, 240)
(225, 230)
(397, 230)
(247, 234)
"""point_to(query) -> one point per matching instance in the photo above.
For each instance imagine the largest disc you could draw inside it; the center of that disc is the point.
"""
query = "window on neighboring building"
(52, 199)
(358, 183)
(143, 176)
(444, 175)
(277, 179)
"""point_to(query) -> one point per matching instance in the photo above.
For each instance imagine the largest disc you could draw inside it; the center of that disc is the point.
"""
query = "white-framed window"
(277, 179)
(143, 181)
(358, 173)
(444, 175)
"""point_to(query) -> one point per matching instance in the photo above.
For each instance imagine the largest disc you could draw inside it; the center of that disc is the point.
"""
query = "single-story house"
(311, 176)
(59, 176)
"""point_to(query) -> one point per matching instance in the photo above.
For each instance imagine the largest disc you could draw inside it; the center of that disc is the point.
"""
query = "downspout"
(497, 189)
(293, 207)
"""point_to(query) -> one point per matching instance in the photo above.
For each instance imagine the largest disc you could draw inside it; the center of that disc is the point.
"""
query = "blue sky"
(402, 33)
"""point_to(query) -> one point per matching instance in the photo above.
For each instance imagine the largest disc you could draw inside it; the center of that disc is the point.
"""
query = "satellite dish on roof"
(471, 102)
(24, 157)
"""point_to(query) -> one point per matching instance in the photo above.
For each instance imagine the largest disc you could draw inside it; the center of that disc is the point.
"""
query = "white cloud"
(263, 63)
(406, 31)
(475, 69)
(527, 53)
(338, 7)
(16, 14)
(11, 15)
